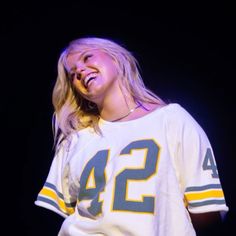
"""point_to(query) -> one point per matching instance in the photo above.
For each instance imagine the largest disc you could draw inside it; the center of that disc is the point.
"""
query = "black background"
(186, 52)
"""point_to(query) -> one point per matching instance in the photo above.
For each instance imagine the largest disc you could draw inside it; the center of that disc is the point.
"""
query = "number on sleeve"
(209, 163)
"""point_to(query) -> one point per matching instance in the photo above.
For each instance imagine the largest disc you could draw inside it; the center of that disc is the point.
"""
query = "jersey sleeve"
(195, 164)
(55, 195)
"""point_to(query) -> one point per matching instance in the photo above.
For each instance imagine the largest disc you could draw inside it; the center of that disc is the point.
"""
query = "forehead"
(76, 55)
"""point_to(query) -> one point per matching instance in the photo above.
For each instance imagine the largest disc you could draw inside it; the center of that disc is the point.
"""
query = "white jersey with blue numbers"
(140, 177)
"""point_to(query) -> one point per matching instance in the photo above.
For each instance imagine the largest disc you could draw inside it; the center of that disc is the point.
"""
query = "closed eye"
(73, 76)
(86, 57)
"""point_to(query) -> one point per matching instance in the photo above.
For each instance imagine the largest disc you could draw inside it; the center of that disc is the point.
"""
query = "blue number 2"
(150, 168)
(92, 181)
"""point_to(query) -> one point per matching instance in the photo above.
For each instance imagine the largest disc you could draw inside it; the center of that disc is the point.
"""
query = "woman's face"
(93, 73)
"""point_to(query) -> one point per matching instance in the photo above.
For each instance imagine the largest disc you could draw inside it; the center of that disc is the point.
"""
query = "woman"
(126, 163)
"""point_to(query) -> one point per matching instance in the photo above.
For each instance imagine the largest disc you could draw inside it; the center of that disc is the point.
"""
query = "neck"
(126, 115)
(118, 109)
(116, 104)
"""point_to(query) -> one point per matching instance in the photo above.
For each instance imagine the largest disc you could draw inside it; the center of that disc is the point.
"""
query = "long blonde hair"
(72, 111)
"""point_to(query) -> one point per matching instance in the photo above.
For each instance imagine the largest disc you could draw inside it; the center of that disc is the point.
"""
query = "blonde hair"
(72, 111)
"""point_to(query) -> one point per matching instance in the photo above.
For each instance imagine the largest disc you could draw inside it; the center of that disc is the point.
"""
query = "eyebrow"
(73, 68)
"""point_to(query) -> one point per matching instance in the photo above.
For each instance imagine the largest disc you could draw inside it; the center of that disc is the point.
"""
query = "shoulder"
(179, 121)
(178, 118)
(168, 109)
(176, 113)
(175, 109)
(170, 113)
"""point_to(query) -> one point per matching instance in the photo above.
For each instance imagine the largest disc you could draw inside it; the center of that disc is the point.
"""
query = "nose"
(80, 68)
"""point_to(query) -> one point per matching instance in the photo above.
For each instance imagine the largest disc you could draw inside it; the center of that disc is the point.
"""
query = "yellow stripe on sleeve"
(50, 193)
(213, 193)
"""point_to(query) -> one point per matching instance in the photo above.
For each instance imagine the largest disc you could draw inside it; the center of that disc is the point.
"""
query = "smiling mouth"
(87, 84)
(89, 78)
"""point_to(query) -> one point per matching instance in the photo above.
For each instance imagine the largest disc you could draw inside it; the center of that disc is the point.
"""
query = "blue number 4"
(94, 173)
(93, 179)
(209, 164)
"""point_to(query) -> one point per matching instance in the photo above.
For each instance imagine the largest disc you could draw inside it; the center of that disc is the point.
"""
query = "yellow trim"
(51, 194)
(91, 182)
(142, 196)
(215, 193)
(105, 176)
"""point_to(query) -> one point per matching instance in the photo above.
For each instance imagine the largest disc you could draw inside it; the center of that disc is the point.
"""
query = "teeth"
(88, 77)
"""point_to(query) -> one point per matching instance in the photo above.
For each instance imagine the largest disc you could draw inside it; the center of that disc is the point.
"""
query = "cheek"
(111, 70)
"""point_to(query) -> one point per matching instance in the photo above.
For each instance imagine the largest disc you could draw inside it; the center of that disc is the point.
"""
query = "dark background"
(186, 52)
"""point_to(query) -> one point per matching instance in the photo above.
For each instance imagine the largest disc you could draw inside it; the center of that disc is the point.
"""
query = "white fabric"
(180, 146)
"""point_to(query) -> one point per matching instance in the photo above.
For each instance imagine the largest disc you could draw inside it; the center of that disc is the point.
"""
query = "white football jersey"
(140, 177)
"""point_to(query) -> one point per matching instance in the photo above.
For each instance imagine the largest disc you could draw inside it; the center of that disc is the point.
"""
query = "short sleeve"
(55, 194)
(194, 163)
